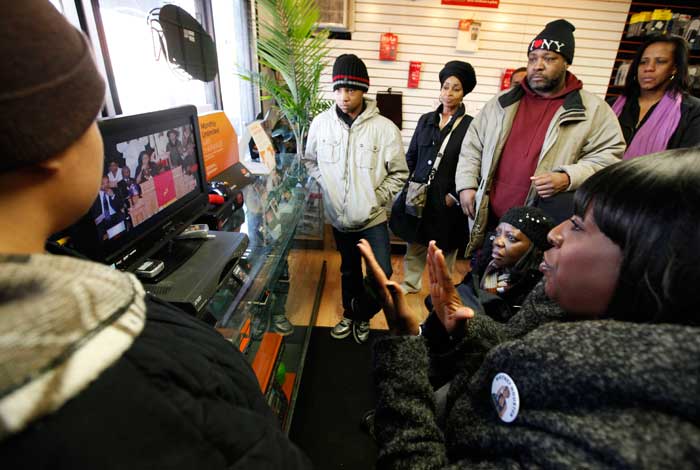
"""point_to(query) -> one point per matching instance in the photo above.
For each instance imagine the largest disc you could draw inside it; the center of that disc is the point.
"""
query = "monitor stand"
(199, 276)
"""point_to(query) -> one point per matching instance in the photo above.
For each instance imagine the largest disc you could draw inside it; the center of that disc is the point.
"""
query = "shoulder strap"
(442, 149)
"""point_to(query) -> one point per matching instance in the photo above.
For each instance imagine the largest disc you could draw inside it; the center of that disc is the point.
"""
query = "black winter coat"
(688, 131)
(180, 397)
(448, 226)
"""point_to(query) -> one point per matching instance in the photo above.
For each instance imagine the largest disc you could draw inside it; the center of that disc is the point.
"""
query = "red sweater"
(523, 146)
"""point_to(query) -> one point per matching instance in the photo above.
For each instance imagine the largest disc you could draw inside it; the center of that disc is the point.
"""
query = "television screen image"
(153, 186)
(148, 174)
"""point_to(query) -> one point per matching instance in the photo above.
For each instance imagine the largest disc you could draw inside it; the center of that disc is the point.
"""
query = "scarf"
(657, 130)
(495, 280)
(63, 321)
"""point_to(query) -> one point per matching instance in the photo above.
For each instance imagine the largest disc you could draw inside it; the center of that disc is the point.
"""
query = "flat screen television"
(153, 187)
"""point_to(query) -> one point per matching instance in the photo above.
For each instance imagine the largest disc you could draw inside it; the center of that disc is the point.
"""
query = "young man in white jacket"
(357, 157)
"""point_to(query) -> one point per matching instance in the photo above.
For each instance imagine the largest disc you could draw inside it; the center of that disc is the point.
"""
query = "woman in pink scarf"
(655, 110)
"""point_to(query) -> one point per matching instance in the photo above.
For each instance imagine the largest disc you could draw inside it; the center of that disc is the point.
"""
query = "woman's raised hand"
(446, 301)
(401, 319)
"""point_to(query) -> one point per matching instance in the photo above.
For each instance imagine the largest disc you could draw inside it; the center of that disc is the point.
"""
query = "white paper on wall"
(468, 35)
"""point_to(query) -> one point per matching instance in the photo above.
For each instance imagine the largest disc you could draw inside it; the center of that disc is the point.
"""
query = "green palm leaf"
(290, 44)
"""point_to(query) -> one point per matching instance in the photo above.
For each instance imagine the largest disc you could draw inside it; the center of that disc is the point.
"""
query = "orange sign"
(219, 143)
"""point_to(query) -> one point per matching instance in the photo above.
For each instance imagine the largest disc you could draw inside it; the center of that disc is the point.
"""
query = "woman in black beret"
(507, 267)
(442, 218)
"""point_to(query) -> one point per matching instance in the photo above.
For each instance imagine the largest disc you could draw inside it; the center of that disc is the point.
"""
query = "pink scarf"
(657, 130)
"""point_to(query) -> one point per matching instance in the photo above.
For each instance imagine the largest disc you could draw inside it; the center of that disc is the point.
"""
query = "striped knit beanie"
(50, 89)
(350, 72)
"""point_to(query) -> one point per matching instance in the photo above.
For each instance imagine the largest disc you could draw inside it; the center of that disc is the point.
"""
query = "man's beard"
(547, 85)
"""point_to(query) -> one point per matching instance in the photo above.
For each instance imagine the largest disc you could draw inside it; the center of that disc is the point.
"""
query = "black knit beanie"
(463, 71)
(350, 72)
(533, 222)
(557, 36)
(50, 89)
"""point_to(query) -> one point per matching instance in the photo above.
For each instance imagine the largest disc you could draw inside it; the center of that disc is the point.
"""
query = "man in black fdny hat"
(357, 157)
(537, 140)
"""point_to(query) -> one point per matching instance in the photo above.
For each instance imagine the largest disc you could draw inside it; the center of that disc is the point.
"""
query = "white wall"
(427, 33)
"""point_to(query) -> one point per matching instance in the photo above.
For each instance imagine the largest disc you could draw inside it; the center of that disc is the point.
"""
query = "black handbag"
(403, 225)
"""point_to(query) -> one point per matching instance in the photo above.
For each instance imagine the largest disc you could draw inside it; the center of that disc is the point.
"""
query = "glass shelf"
(260, 304)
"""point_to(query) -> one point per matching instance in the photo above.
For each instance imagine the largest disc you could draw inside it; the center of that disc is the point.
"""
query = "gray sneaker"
(342, 329)
(360, 331)
(281, 325)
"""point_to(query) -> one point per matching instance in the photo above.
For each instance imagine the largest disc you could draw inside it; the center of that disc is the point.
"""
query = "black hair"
(650, 207)
(680, 83)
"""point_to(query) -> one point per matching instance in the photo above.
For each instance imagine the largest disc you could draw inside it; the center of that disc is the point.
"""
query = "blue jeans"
(352, 281)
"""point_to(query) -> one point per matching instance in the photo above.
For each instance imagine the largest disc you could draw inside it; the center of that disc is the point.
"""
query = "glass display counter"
(263, 309)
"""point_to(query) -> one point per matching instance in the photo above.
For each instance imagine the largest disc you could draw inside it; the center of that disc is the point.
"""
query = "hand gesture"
(446, 301)
(401, 319)
(549, 184)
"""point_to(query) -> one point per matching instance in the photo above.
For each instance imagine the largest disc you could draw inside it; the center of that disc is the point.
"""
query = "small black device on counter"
(149, 268)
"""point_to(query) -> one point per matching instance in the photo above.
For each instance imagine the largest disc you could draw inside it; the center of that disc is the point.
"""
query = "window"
(126, 49)
(233, 47)
(336, 15)
(142, 82)
(68, 9)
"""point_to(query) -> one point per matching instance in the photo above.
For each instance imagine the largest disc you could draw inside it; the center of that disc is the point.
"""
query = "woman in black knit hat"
(599, 367)
(507, 268)
(442, 218)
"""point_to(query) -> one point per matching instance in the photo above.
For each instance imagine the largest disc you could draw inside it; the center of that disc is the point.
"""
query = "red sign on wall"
(506, 78)
(414, 69)
(473, 3)
(388, 45)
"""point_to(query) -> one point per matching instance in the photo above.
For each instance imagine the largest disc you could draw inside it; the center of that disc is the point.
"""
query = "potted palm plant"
(290, 45)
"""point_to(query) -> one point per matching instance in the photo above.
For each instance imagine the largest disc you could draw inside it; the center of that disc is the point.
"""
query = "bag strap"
(440, 153)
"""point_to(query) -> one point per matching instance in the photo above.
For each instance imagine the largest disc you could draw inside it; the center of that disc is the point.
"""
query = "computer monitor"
(153, 187)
